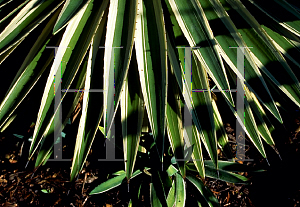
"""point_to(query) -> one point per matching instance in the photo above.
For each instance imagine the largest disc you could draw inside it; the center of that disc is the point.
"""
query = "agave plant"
(137, 54)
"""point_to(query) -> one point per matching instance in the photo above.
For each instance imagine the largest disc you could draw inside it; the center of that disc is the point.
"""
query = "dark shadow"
(279, 184)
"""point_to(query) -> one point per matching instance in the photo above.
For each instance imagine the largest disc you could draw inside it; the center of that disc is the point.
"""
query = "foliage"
(145, 81)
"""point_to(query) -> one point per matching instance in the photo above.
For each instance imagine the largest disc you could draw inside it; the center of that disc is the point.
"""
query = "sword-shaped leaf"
(196, 29)
(288, 17)
(92, 109)
(261, 125)
(29, 72)
(249, 126)
(225, 176)
(197, 155)
(20, 22)
(178, 68)
(221, 133)
(180, 191)
(14, 11)
(222, 175)
(44, 125)
(217, 14)
(266, 55)
(174, 123)
(132, 112)
(154, 200)
(285, 45)
(151, 54)
(113, 182)
(171, 195)
(203, 111)
(118, 48)
(211, 200)
(46, 148)
(67, 13)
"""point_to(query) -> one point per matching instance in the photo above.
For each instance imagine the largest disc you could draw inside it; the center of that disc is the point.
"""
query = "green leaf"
(67, 13)
(14, 11)
(119, 44)
(197, 103)
(174, 124)
(47, 157)
(196, 29)
(45, 123)
(47, 143)
(23, 19)
(171, 170)
(4, 2)
(154, 200)
(247, 122)
(132, 112)
(159, 180)
(91, 112)
(266, 55)
(45, 191)
(109, 184)
(101, 130)
(180, 191)
(211, 200)
(150, 44)
(121, 172)
(197, 155)
(252, 129)
(223, 175)
(175, 55)
(286, 12)
(261, 124)
(10, 120)
(285, 45)
(253, 78)
(29, 73)
(113, 182)
(69, 39)
(171, 196)
(19, 136)
(221, 133)
(232, 166)
(203, 111)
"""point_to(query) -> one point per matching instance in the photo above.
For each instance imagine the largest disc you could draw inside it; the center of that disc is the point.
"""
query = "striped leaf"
(91, 111)
(29, 72)
(266, 55)
(252, 75)
(150, 42)
(67, 13)
(45, 124)
(26, 16)
(288, 17)
(113, 182)
(223, 175)
(174, 123)
(195, 28)
(118, 49)
(132, 112)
